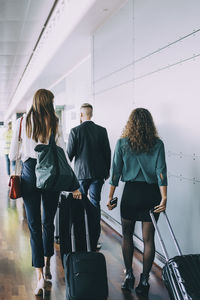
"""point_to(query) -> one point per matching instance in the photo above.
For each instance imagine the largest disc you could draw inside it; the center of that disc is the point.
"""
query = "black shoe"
(129, 281)
(143, 286)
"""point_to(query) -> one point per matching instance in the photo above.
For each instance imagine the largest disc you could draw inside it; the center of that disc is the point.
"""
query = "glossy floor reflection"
(17, 277)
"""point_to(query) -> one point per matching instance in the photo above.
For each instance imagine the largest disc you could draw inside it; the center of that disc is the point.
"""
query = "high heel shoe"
(47, 272)
(143, 286)
(40, 289)
(128, 283)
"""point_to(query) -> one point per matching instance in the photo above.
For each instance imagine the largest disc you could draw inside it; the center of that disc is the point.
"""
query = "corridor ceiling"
(21, 22)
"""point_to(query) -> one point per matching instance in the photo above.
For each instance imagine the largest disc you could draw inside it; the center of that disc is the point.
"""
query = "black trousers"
(40, 221)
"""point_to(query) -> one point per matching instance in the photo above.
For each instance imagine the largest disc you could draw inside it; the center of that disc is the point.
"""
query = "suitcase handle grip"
(164, 249)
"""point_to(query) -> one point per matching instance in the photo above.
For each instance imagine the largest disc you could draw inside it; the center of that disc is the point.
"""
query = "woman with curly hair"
(139, 160)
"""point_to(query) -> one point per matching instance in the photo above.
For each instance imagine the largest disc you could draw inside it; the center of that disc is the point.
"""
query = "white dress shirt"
(28, 144)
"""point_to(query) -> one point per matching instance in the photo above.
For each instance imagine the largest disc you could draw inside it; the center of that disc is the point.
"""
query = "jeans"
(41, 225)
(8, 164)
(94, 186)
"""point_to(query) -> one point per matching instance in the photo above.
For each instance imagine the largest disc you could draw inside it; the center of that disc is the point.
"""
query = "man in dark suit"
(88, 143)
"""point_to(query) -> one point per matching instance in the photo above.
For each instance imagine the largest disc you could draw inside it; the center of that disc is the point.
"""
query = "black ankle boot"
(143, 286)
(128, 283)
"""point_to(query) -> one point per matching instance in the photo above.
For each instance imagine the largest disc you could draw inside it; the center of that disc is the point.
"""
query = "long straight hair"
(41, 119)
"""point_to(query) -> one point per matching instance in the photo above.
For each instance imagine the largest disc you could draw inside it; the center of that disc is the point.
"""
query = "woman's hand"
(77, 194)
(111, 194)
(110, 206)
(161, 207)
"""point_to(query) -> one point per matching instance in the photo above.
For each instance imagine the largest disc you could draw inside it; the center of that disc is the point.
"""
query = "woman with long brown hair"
(139, 160)
(37, 127)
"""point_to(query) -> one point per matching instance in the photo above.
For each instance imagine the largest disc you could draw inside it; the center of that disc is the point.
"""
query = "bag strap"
(20, 130)
(18, 146)
(52, 140)
(52, 144)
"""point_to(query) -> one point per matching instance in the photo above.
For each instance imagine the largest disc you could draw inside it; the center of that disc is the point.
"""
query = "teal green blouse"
(131, 166)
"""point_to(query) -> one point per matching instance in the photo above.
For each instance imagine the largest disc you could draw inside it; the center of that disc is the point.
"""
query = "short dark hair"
(84, 105)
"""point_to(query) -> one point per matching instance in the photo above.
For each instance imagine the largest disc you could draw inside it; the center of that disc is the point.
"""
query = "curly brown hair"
(140, 130)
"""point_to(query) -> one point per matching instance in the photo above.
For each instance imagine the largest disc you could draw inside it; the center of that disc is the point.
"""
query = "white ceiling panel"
(5, 60)
(8, 80)
(75, 35)
(8, 48)
(5, 77)
(12, 9)
(30, 31)
(10, 69)
(20, 59)
(4, 94)
(10, 30)
(21, 23)
(37, 9)
(13, 48)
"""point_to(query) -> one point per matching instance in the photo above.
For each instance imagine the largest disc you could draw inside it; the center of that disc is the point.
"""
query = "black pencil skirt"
(137, 199)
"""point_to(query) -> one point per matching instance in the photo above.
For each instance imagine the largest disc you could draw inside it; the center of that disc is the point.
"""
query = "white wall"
(147, 55)
(113, 50)
(72, 91)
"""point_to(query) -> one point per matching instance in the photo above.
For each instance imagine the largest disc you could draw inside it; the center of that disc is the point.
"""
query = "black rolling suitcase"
(75, 206)
(181, 274)
(85, 271)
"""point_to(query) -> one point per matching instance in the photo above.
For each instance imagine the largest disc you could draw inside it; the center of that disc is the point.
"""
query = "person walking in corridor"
(139, 159)
(7, 139)
(88, 143)
(37, 127)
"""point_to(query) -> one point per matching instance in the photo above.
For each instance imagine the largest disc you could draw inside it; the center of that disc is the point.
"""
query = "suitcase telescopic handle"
(164, 249)
(86, 228)
(87, 231)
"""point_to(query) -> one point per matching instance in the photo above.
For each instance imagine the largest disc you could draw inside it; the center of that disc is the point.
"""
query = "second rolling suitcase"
(181, 274)
(85, 272)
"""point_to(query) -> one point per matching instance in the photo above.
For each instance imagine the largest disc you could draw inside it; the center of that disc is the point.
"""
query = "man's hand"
(77, 194)
(107, 176)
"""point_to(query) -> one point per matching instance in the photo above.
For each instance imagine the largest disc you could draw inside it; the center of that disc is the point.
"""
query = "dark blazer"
(89, 144)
